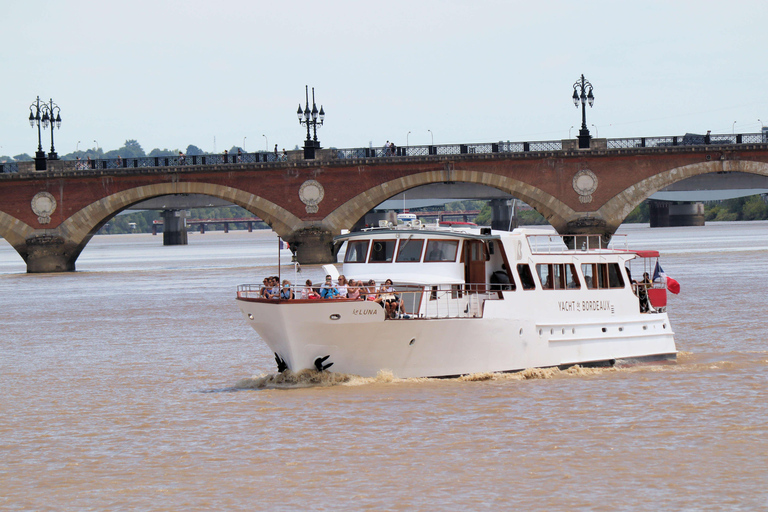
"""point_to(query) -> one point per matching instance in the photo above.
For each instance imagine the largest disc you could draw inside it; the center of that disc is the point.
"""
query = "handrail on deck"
(442, 300)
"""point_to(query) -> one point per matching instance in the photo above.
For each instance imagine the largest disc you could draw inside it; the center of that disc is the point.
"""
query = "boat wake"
(686, 362)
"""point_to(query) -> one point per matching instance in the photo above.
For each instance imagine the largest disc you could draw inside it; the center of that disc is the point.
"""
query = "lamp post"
(433, 137)
(309, 118)
(44, 114)
(582, 93)
(266, 143)
(407, 135)
(244, 144)
(596, 132)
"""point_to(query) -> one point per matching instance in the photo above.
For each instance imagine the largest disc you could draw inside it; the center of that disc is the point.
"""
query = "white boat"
(473, 301)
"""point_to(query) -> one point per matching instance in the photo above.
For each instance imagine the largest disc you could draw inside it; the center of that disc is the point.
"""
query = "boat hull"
(358, 339)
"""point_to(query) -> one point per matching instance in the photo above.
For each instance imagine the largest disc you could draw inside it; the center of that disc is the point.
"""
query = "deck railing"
(554, 243)
(415, 301)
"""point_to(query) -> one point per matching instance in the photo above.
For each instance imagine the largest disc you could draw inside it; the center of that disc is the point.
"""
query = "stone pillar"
(688, 214)
(174, 227)
(500, 215)
(49, 253)
(313, 246)
(659, 213)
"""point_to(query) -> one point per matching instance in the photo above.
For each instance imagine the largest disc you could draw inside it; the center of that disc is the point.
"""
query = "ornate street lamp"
(310, 118)
(45, 114)
(582, 93)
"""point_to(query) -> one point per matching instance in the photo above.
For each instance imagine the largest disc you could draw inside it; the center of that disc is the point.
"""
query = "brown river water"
(135, 384)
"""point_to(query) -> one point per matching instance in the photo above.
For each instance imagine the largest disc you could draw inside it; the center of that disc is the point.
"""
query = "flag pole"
(279, 278)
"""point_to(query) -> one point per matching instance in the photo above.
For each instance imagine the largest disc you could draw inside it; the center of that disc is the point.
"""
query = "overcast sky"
(170, 73)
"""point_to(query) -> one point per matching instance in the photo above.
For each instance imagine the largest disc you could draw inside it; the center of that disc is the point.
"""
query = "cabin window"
(409, 250)
(526, 277)
(545, 276)
(602, 275)
(356, 251)
(382, 251)
(614, 276)
(442, 250)
(558, 276)
(571, 277)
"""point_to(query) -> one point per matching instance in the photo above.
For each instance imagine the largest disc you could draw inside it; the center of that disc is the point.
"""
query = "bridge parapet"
(690, 141)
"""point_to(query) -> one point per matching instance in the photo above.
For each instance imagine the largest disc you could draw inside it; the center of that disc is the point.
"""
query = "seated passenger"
(265, 285)
(308, 292)
(328, 290)
(286, 293)
(342, 287)
(389, 299)
(353, 290)
(274, 288)
(370, 291)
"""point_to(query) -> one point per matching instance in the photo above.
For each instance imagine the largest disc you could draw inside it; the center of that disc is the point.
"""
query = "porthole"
(539, 332)
(521, 331)
(645, 327)
(413, 340)
(551, 332)
(250, 316)
(573, 330)
(335, 316)
(563, 330)
(621, 329)
(663, 326)
(605, 330)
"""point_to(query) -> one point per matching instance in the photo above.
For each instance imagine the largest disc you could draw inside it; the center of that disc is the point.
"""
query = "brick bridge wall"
(308, 202)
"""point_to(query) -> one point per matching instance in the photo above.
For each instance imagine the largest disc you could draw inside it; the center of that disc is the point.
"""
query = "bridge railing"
(409, 151)
(8, 167)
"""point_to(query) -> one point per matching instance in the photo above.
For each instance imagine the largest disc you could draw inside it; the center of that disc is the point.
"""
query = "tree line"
(131, 149)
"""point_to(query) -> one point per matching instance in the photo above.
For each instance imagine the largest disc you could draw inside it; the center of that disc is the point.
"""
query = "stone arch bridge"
(50, 216)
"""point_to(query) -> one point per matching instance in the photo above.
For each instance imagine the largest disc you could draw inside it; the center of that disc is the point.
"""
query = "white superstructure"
(473, 301)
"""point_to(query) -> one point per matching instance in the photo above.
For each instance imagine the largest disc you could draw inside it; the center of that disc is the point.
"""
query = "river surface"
(133, 384)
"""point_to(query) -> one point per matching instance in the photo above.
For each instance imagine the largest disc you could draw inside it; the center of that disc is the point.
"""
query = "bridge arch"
(621, 205)
(57, 249)
(346, 215)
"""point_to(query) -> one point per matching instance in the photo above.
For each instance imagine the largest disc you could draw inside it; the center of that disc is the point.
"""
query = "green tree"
(163, 152)
(23, 157)
(131, 149)
(755, 208)
(193, 150)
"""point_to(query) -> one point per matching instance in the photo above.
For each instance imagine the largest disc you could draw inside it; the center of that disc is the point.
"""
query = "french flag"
(672, 285)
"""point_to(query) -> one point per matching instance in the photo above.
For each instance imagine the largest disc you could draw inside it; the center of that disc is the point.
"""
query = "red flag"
(673, 286)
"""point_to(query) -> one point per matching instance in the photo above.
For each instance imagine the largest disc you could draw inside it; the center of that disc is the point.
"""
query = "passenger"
(389, 299)
(274, 292)
(342, 287)
(328, 290)
(308, 292)
(370, 291)
(353, 290)
(286, 293)
(264, 287)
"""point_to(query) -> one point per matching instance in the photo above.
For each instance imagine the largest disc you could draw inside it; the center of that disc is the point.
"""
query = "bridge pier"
(500, 215)
(49, 253)
(313, 246)
(665, 214)
(174, 227)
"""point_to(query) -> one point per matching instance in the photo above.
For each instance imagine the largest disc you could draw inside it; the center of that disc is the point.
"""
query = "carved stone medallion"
(311, 193)
(585, 184)
(43, 205)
